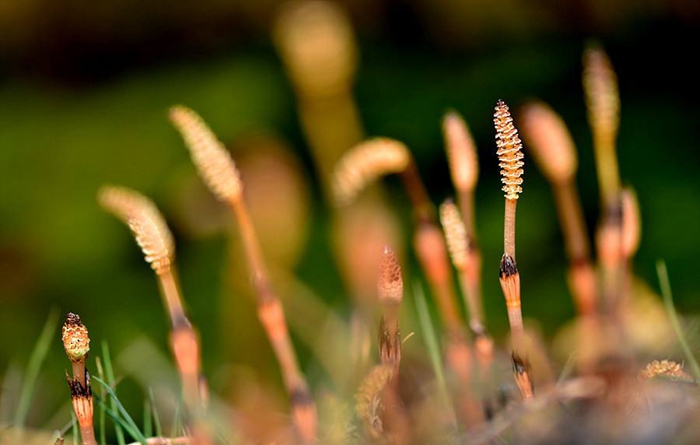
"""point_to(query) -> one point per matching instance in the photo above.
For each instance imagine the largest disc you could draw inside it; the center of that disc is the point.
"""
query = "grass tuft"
(671, 310)
(133, 428)
(39, 353)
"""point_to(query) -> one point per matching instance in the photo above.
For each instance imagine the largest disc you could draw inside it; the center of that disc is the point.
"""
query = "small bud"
(549, 141)
(75, 337)
(664, 368)
(461, 152)
(390, 284)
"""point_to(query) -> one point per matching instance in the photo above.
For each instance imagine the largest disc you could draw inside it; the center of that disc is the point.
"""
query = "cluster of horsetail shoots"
(218, 170)
(76, 343)
(378, 157)
(393, 403)
(155, 239)
(510, 161)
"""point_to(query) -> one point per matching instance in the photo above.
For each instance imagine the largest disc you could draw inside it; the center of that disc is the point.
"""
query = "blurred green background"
(84, 94)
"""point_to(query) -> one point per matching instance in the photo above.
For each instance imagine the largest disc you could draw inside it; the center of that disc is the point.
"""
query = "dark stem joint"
(508, 266)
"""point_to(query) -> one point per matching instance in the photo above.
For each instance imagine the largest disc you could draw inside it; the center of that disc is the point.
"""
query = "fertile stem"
(509, 228)
(467, 262)
(218, 170)
(155, 239)
(271, 315)
(76, 343)
(603, 103)
(390, 294)
(510, 160)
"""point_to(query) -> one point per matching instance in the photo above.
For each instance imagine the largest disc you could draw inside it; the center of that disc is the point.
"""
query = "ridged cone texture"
(601, 91)
(76, 340)
(365, 163)
(213, 161)
(455, 233)
(664, 368)
(145, 221)
(390, 283)
(509, 152)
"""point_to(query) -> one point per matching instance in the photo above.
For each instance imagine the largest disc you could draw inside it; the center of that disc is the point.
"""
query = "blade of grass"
(9, 393)
(116, 418)
(431, 342)
(136, 433)
(668, 302)
(41, 349)
(177, 421)
(156, 416)
(567, 369)
(74, 428)
(101, 414)
(55, 437)
(147, 423)
(109, 374)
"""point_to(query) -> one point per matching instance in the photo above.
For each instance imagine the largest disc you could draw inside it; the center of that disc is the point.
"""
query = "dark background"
(84, 93)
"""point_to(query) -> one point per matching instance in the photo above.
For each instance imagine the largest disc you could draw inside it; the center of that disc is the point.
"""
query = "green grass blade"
(156, 417)
(177, 419)
(55, 437)
(670, 308)
(433, 345)
(101, 412)
(74, 427)
(116, 418)
(109, 374)
(136, 432)
(41, 349)
(9, 393)
(147, 419)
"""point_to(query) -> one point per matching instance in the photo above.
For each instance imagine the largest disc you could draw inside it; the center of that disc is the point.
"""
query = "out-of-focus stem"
(415, 189)
(581, 275)
(271, 315)
(572, 222)
(331, 126)
(603, 103)
(465, 201)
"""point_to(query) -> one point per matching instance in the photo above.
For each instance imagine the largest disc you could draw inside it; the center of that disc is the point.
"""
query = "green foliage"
(41, 349)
